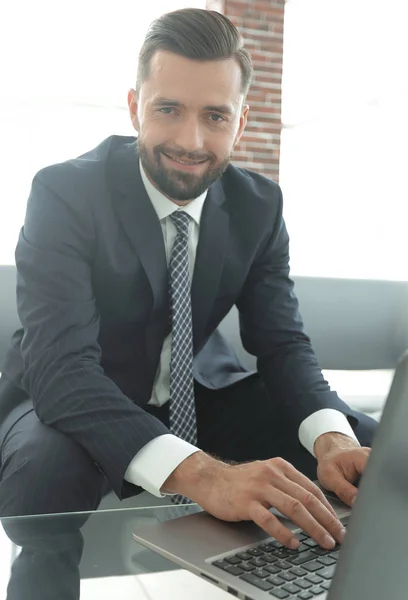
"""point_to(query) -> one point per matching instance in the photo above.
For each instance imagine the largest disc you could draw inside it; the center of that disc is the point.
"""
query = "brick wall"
(261, 25)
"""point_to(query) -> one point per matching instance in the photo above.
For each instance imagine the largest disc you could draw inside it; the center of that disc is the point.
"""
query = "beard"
(175, 184)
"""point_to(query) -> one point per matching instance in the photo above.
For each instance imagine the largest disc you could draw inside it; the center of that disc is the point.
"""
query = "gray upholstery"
(354, 324)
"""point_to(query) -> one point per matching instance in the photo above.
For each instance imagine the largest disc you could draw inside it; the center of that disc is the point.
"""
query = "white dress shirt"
(154, 463)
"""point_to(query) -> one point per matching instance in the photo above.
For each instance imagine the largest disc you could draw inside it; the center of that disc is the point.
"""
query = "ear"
(133, 104)
(242, 123)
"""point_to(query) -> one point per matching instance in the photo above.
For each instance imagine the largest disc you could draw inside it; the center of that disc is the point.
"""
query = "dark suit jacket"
(92, 299)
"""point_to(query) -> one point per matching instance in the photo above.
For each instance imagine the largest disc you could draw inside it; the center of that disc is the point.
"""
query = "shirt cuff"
(155, 462)
(327, 420)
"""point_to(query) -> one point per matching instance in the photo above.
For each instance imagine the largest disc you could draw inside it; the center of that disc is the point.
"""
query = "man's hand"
(340, 463)
(246, 492)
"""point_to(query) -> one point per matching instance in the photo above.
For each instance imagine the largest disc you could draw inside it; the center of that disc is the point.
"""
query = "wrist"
(333, 442)
(193, 476)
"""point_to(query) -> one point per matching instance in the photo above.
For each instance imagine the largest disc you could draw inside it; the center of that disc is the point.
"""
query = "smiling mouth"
(187, 163)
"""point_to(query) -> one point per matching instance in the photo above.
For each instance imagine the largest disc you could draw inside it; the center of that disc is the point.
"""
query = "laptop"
(371, 564)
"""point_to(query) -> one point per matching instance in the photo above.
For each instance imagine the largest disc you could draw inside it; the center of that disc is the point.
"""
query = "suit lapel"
(139, 221)
(142, 226)
(211, 251)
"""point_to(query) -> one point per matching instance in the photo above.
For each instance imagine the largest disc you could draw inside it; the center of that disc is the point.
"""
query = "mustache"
(182, 155)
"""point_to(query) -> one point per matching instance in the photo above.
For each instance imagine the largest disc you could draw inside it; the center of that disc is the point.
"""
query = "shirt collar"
(165, 207)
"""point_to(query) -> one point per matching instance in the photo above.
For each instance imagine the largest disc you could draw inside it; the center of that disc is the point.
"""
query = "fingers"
(319, 519)
(257, 486)
(294, 475)
(305, 510)
(271, 524)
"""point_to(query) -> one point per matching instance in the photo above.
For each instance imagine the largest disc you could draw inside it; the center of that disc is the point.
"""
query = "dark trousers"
(43, 471)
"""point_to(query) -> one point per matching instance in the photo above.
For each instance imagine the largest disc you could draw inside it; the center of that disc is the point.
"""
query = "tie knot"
(181, 220)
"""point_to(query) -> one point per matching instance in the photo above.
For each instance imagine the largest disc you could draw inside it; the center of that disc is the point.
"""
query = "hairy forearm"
(194, 476)
(332, 442)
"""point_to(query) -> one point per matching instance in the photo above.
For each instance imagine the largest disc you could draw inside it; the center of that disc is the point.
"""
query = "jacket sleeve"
(272, 330)
(61, 355)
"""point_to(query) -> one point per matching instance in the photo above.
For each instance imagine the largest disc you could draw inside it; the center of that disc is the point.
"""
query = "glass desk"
(112, 565)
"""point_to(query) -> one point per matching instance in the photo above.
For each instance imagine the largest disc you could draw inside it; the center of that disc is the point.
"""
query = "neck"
(180, 202)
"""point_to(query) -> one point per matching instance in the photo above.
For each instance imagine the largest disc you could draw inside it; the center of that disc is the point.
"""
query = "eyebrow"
(222, 108)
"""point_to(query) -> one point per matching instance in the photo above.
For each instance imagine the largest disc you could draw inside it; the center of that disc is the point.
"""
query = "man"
(119, 378)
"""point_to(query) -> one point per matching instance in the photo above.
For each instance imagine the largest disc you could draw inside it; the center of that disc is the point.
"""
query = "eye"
(166, 110)
(217, 118)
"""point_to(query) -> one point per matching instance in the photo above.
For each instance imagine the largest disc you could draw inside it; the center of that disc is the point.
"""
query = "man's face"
(189, 116)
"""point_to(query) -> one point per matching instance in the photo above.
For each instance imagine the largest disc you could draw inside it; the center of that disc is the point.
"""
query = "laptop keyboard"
(285, 574)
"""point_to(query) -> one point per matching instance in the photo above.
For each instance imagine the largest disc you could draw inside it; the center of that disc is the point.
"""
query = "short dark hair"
(197, 34)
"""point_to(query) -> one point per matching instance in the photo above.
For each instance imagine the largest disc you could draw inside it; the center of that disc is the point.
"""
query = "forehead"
(191, 81)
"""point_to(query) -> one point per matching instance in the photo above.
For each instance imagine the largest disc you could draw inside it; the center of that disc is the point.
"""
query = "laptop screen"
(373, 560)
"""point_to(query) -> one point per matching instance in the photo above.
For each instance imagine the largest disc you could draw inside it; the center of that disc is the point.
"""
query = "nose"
(189, 134)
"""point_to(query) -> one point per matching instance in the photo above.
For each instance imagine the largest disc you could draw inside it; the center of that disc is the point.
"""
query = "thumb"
(360, 459)
(347, 471)
(345, 490)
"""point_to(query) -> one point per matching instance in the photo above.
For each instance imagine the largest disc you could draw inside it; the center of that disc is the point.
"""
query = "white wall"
(343, 155)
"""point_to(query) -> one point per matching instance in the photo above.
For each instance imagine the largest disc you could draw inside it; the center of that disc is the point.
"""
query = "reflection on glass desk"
(109, 551)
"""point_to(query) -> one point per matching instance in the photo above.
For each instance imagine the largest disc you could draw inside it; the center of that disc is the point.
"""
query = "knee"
(48, 474)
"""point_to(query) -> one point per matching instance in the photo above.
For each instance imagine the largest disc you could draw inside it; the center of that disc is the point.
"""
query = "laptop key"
(314, 578)
(261, 584)
(233, 570)
(259, 562)
(328, 572)
(325, 584)
(265, 548)
(244, 556)
(261, 573)
(281, 554)
(247, 567)
(281, 564)
(312, 566)
(302, 548)
(304, 595)
(320, 551)
(302, 558)
(279, 593)
(317, 590)
(255, 552)
(221, 564)
(233, 560)
(287, 576)
(276, 580)
(304, 584)
(311, 543)
(301, 536)
(276, 544)
(269, 559)
(298, 572)
(327, 561)
(272, 569)
(292, 588)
